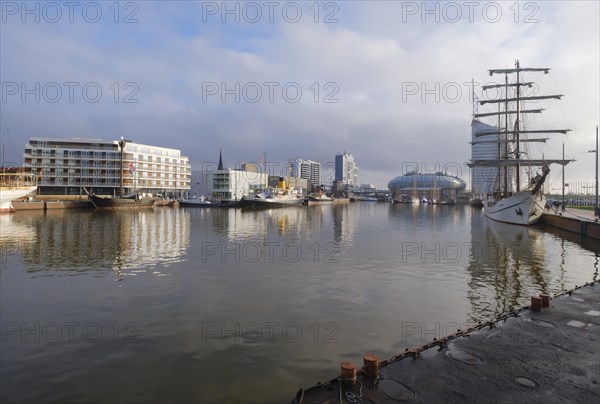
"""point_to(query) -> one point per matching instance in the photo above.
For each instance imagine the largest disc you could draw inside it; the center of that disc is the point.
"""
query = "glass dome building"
(427, 185)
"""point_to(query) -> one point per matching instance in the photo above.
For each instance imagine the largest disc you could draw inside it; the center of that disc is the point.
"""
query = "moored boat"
(312, 199)
(107, 202)
(319, 197)
(283, 195)
(195, 202)
(510, 202)
(14, 186)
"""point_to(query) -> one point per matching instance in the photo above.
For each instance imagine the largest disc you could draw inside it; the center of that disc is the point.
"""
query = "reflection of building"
(345, 221)
(308, 170)
(346, 169)
(235, 184)
(85, 240)
(68, 165)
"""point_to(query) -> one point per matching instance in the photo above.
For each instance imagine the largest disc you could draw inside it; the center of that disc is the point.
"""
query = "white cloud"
(370, 55)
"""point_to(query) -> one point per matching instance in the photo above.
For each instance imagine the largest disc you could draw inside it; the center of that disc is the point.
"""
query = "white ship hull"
(9, 194)
(277, 201)
(523, 208)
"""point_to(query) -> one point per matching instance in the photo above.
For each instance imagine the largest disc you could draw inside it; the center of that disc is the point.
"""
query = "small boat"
(137, 201)
(195, 202)
(231, 203)
(283, 195)
(313, 200)
(274, 199)
(165, 202)
(132, 200)
(14, 186)
(368, 199)
(319, 197)
(476, 202)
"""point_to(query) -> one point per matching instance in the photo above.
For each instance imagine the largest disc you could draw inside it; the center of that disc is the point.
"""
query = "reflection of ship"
(12, 187)
(12, 231)
(506, 264)
(508, 202)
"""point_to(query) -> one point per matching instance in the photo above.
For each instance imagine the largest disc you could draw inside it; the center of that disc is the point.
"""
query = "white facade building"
(66, 166)
(235, 184)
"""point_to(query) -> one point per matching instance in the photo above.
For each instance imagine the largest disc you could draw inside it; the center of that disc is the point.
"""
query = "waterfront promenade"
(579, 221)
(532, 356)
(575, 213)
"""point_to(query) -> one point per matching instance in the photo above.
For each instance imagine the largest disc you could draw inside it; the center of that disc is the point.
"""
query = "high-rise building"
(486, 147)
(346, 169)
(306, 169)
(66, 166)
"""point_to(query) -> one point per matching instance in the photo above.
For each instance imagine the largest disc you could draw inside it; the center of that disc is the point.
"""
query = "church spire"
(220, 167)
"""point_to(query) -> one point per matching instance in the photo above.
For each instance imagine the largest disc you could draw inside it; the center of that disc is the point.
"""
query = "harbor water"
(234, 305)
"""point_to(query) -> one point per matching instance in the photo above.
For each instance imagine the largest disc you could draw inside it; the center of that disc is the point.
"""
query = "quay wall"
(584, 227)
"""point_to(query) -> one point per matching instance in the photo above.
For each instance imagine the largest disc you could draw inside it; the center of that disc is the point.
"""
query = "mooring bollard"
(545, 300)
(536, 303)
(371, 366)
(348, 374)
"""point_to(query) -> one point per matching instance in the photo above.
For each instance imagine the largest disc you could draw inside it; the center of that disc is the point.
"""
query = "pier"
(577, 221)
(534, 354)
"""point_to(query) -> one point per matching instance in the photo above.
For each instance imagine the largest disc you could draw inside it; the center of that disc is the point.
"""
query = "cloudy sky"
(388, 81)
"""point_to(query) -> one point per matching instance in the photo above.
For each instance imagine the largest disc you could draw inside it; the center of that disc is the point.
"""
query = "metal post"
(596, 207)
(562, 205)
(122, 146)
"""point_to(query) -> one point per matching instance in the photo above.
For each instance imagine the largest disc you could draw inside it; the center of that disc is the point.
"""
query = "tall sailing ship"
(510, 198)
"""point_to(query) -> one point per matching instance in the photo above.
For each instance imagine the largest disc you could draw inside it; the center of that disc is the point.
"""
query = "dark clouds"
(357, 78)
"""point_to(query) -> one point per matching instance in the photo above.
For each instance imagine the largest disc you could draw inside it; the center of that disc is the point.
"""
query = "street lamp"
(596, 207)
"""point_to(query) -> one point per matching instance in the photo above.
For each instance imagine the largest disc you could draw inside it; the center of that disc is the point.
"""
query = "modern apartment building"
(66, 166)
(306, 169)
(346, 169)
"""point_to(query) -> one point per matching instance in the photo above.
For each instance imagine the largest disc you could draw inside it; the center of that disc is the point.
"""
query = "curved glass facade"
(424, 180)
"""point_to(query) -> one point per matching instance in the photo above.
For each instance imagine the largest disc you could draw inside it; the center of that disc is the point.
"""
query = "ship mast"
(506, 135)
(517, 168)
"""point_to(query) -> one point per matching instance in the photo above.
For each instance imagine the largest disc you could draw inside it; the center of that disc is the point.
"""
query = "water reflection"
(293, 222)
(345, 219)
(94, 240)
(14, 232)
(506, 265)
(395, 265)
